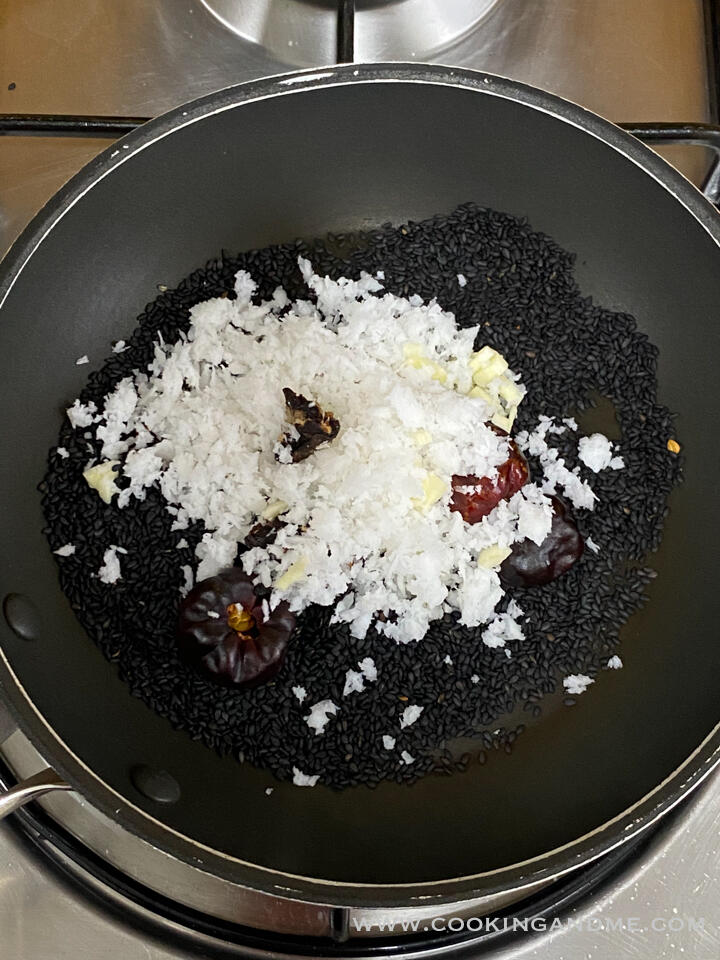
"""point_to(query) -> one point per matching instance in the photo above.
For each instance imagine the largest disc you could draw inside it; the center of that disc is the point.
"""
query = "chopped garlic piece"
(493, 556)
(274, 509)
(487, 364)
(433, 490)
(295, 572)
(101, 477)
(421, 437)
(490, 384)
(505, 423)
(485, 355)
(480, 358)
(489, 372)
(415, 358)
(483, 394)
(509, 392)
(413, 351)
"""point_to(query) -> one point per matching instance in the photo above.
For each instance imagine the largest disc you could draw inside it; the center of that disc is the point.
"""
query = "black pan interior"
(335, 159)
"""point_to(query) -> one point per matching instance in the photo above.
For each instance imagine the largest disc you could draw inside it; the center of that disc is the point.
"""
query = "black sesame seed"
(522, 294)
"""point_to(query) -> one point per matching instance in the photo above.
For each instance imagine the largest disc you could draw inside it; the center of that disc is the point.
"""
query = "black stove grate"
(696, 134)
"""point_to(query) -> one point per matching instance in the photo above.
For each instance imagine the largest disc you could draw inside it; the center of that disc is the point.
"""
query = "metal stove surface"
(663, 905)
(630, 60)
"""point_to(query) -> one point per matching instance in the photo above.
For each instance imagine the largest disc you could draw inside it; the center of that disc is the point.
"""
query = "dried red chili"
(264, 533)
(312, 425)
(226, 635)
(486, 494)
(531, 564)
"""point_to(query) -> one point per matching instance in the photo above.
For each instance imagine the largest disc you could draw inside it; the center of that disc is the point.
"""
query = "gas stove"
(77, 73)
(651, 898)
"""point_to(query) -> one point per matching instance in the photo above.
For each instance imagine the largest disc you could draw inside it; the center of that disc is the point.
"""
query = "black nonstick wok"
(341, 149)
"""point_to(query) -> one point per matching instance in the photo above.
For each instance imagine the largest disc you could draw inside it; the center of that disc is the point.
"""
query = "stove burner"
(304, 32)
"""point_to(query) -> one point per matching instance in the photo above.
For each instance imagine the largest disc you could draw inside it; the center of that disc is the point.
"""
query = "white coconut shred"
(366, 519)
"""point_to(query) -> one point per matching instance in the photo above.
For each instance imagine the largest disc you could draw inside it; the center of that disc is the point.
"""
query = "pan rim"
(591, 845)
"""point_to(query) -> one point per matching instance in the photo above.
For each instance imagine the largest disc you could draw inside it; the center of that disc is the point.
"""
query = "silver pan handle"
(40, 783)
